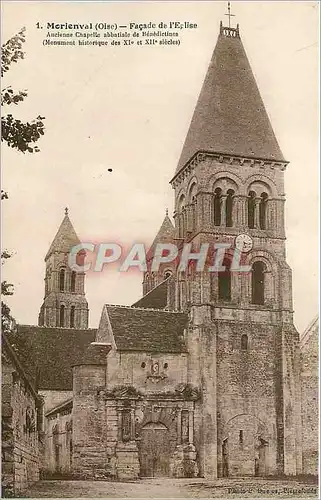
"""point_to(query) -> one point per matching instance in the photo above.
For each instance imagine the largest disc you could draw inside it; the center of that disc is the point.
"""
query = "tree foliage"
(6, 289)
(17, 134)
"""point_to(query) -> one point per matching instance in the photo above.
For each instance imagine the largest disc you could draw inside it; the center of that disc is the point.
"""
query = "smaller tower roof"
(65, 238)
(166, 231)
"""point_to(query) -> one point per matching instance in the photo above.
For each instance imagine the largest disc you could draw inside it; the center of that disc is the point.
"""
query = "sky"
(128, 109)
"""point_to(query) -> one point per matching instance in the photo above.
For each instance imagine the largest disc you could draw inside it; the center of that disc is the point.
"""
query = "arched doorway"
(154, 450)
(244, 449)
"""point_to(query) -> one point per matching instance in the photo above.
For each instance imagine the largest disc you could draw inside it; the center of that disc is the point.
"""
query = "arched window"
(73, 281)
(244, 342)
(72, 317)
(262, 209)
(258, 270)
(251, 209)
(224, 281)
(217, 206)
(62, 316)
(62, 279)
(229, 208)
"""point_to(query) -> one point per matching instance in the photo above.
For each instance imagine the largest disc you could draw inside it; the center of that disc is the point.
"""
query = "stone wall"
(89, 423)
(310, 403)
(21, 414)
(110, 422)
(54, 398)
(58, 442)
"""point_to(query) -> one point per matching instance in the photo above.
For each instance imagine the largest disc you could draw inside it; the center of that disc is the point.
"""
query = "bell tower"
(243, 346)
(64, 303)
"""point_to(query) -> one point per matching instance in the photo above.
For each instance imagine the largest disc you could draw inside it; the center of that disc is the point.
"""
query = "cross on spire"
(229, 14)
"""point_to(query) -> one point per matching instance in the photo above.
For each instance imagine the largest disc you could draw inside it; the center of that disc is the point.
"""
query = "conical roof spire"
(166, 234)
(230, 116)
(166, 231)
(65, 238)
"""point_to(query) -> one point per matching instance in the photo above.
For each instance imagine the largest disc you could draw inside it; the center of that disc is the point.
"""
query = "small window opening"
(244, 342)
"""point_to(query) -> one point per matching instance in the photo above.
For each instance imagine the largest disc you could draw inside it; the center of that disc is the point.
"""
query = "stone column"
(189, 224)
(176, 223)
(223, 210)
(132, 424)
(191, 427)
(179, 427)
(240, 211)
(257, 213)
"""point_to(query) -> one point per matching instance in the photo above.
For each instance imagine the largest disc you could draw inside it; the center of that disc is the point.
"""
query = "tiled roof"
(11, 355)
(95, 354)
(155, 299)
(148, 330)
(230, 116)
(49, 353)
(65, 405)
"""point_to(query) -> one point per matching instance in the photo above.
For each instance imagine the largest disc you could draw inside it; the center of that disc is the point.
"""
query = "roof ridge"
(308, 330)
(152, 290)
(55, 327)
(143, 308)
(59, 406)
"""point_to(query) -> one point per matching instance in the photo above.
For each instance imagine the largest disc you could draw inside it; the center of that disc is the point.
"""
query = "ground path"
(176, 488)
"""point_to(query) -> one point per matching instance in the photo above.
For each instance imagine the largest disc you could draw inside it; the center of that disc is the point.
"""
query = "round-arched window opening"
(217, 206)
(165, 366)
(251, 209)
(143, 365)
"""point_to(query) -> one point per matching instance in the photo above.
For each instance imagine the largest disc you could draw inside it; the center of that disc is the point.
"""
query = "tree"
(6, 289)
(18, 135)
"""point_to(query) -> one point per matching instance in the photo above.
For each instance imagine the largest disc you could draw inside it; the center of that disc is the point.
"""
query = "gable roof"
(230, 116)
(155, 298)
(12, 356)
(311, 331)
(49, 353)
(66, 237)
(147, 330)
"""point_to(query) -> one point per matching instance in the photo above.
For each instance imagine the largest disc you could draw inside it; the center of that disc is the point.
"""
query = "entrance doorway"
(154, 450)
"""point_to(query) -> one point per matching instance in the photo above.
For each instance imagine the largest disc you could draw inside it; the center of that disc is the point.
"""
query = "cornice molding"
(201, 156)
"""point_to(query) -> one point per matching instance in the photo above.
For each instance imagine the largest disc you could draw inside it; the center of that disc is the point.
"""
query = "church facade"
(201, 376)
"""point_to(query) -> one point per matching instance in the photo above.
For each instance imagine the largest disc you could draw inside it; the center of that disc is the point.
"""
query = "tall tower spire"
(64, 304)
(230, 116)
(229, 188)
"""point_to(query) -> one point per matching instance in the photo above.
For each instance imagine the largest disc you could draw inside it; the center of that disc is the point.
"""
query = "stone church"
(201, 376)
